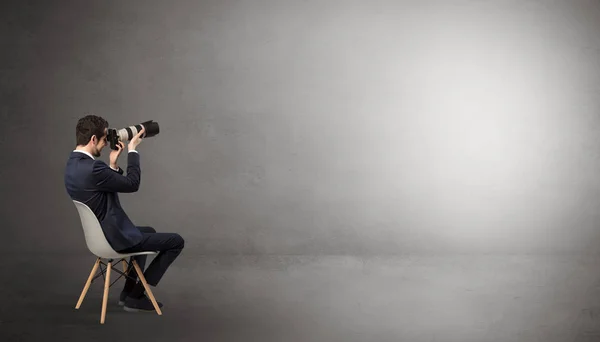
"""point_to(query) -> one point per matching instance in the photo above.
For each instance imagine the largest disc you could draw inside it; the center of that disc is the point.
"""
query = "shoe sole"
(136, 310)
(122, 303)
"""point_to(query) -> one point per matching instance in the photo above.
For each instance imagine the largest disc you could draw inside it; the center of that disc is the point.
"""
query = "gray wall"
(313, 127)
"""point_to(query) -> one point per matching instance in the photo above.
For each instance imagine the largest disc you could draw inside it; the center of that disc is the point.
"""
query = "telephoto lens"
(127, 133)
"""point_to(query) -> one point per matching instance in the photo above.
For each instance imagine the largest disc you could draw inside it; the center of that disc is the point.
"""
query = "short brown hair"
(88, 126)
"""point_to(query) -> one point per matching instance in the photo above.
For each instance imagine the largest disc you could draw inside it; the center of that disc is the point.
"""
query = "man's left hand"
(114, 155)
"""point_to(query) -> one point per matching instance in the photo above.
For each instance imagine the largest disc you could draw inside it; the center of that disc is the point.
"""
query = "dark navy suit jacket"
(97, 185)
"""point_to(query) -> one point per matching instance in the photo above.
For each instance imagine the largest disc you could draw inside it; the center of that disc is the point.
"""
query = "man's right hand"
(137, 139)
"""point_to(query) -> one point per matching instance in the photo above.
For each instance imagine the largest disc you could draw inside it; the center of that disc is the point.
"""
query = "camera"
(125, 134)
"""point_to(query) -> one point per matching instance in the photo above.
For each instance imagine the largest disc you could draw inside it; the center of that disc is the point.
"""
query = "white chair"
(99, 246)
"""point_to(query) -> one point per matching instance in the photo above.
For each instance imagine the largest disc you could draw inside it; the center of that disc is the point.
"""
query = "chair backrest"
(94, 236)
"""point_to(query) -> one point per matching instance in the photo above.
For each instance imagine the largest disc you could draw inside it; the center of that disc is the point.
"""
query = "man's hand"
(114, 155)
(137, 139)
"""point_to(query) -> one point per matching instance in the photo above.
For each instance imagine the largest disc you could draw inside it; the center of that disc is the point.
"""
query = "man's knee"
(179, 241)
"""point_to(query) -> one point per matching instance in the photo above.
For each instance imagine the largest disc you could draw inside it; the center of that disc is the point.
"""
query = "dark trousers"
(169, 246)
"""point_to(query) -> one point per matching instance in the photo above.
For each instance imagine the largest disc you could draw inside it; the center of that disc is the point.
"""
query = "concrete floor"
(309, 298)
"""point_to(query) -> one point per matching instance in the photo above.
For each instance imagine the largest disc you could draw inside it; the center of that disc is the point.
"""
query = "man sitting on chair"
(97, 185)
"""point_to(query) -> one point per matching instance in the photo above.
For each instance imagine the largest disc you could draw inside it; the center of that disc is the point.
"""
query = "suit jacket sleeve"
(107, 179)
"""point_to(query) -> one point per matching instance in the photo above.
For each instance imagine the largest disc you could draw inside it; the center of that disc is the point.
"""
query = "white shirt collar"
(85, 153)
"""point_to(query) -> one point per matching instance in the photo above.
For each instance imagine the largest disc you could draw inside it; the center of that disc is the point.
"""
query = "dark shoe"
(122, 298)
(139, 304)
(124, 295)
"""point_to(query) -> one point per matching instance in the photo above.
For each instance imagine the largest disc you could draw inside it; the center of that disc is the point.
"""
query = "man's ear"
(94, 140)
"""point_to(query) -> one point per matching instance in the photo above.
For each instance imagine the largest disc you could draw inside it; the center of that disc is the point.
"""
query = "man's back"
(93, 183)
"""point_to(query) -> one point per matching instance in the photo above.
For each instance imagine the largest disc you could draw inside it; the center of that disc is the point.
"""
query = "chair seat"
(124, 255)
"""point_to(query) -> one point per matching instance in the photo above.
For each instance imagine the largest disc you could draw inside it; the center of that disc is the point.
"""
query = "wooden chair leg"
(124, 266)
(146, 287)
(88, 283)
(106, 288)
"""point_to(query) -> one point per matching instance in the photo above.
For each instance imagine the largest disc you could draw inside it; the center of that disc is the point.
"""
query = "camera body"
(125, 134)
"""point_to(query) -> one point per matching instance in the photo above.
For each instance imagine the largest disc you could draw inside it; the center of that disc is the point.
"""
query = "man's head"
(91, 134)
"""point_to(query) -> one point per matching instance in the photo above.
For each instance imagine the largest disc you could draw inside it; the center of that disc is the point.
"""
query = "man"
(96, 184)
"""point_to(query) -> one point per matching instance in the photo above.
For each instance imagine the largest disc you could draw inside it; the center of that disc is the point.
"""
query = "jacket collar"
(84, 152)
